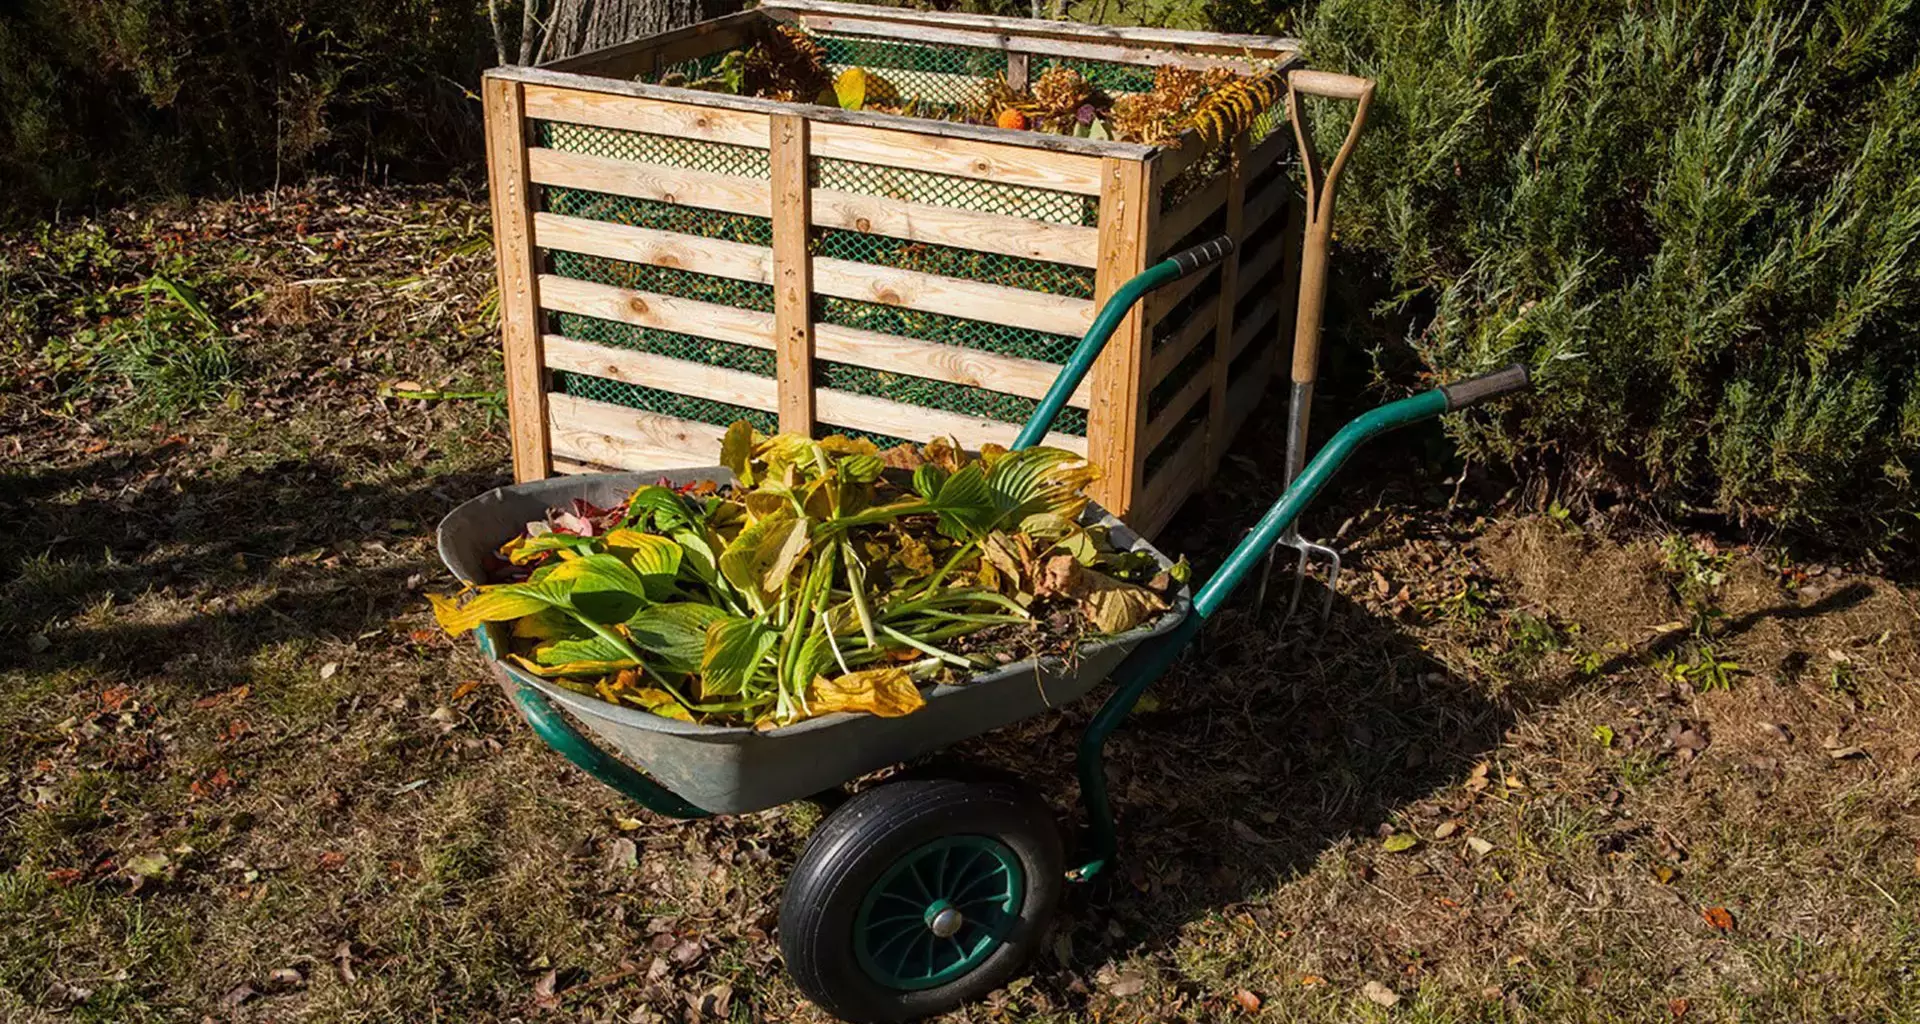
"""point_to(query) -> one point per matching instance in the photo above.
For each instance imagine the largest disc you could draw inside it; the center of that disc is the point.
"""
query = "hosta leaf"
(589, 648)
(656, 559)
(736, 451)
(761, 558)
(675, 633)
(1035, 480)
(887, 692)
(927, 480)
(734, 649)
(1111, 605)
(533, 547)
(656, 507)
(573, 668)
(493, 604)
(696, 555)
(548, 624)
(661, 703)
(965, 504)
(604, 587)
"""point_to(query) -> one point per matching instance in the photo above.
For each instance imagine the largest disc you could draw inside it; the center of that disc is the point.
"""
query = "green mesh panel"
(1104, 75)
(671, 151)
(949, 261)
(933, 394)
(950, 330)
(645, 213)
(686, 407)
(645, 277)
(867, 52)
(665, 343)
(957, 192)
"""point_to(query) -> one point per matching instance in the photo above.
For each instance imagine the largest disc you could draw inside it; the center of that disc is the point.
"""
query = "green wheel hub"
(939, 912)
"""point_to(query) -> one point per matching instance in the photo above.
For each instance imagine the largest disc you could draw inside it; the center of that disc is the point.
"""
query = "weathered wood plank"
(961, 157)
(517, 262)
(649, 54)
(680, 376)
(656, 248)
(1174, 481)
(952, 364)
(1178, 407)
(1129, 202)
(793, 272)
(658, 182)
(920, 424)
(661, 312)
(1217, 436)
(614, 435)
(585, 103)
(952, 296)
(1126, 36)
(1193, 211)
(966, 229)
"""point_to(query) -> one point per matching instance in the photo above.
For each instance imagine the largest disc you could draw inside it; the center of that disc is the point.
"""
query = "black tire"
(873, 834)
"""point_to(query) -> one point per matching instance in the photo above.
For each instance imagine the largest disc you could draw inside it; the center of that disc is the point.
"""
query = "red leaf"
(1678, 1007)
(332, 859)
(1718, 919)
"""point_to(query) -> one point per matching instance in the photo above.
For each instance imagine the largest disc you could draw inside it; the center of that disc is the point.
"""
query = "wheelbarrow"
(932, 888)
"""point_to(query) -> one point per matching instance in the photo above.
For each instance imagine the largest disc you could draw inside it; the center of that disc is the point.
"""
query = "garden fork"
(1320, 183)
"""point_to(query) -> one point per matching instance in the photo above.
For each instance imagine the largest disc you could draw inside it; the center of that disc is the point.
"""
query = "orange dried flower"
(1011, 118)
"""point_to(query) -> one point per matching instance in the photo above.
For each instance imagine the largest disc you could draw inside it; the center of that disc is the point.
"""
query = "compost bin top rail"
(1173, 39)
(1066, 145)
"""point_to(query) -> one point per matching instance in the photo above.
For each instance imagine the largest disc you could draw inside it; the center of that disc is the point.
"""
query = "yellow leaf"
(850, 89)
(887, 692)
(486, 606)
(650, 555)
(572, 668)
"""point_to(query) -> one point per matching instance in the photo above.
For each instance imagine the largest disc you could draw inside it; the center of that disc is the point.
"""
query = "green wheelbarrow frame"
(1148, 662)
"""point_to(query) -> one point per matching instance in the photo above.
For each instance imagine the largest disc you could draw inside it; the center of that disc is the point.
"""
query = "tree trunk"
(577, 26)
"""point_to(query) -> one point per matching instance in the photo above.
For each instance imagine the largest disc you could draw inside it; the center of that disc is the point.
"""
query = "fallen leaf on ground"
(147, 864)
(1126, 985)
(1247, 1000)
(465, 688)
(543, 989)
(1678, 1007)
(286, 977)
(1845, 753)
(327, 671)
(1311, 980)
(1380, 994)
(1445, 829)
(1479, 845)
(1399, 841)
(1718, 919)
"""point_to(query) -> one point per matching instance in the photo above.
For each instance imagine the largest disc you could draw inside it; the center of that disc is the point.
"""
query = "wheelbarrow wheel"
(919, 895)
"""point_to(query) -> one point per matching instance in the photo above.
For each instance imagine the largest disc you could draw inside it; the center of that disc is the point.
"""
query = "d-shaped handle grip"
(1206, 254)
(1475, 390)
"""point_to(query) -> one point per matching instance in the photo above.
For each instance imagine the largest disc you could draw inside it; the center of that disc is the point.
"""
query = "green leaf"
(761, 558)
(604, 587)
(675, 633)
(591, 648)
(656, 559)
(736, 451)
(965, 504)
(657, 508)
(1399, 841)
(496, 604)
(735, 648)
(927, 480)
(1036, 480)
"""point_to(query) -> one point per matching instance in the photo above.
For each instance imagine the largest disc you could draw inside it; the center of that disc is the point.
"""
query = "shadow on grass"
(115, 564)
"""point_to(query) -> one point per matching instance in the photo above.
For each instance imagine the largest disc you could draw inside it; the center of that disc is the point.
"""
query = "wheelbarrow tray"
(734, 770)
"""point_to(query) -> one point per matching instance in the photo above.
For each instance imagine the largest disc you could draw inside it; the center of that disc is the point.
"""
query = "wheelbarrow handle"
(1119, 304)
(1151, 659)
(553, 729)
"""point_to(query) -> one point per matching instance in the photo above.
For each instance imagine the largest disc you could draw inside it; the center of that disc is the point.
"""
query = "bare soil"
(1530, 770)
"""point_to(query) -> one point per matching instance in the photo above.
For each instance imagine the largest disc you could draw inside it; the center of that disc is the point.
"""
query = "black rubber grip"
(1475, 390)
(1206, 254)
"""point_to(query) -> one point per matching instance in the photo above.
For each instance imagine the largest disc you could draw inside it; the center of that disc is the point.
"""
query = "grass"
(398, 840)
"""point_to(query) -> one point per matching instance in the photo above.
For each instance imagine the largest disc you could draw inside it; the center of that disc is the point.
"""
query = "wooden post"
(1017, 71)
(1129, 203)
(792, 271)
(518, 262)
(1218, 433)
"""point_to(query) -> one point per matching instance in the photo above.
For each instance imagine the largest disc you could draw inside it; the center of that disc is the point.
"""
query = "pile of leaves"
(830, 576)
(790, 65)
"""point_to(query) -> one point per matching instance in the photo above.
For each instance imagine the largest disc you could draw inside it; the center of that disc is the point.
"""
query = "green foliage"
(114, 98)
(1700, 220)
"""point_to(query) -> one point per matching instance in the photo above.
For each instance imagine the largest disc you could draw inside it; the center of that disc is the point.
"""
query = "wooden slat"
(1250, 325)
(1174, 481)
(518, 263)
(967, 229)
(1076, 49)
(1172, 295)
(1044, 143)
(953, 296)
(1175, 350)
(649, 54)
(613, 435)
(715, 256)
(1192, 212)
(966, 158)
(1259, 265)
(1262, 208)
(680, 376)
(920, 424)
(1274, 147)
(1217, 436)
(1129, 201)
(1180, 154)
(1245, 394)
(657, 182)
(574, 467)
(1179, 406)
(661, 312)
(653, 116)
(1180, 40)
(793, 272)
(952, 364)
